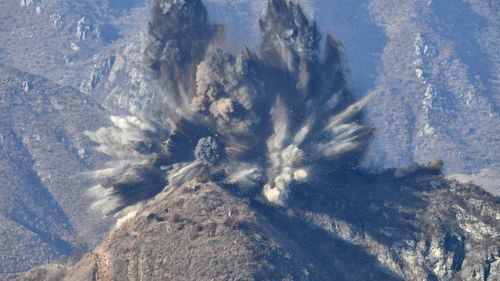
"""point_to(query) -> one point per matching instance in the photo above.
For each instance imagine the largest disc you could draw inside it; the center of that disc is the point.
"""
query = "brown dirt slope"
(408, 224)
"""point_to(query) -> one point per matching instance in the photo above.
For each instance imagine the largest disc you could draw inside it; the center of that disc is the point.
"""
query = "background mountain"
(66, 65)
(43, 150)
(48, 51)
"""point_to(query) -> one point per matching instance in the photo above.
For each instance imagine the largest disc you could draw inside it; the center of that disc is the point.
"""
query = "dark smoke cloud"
(207, 151)
(267, 120)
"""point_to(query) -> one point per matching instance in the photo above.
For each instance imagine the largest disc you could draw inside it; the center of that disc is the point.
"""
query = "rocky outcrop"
(366, 227)
(101, 71)
(198, 232)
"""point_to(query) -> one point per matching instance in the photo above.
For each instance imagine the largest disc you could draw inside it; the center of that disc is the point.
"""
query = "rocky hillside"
(438, 82)
(43, 153)
(49, 51)
(401, 225)
(80, 44)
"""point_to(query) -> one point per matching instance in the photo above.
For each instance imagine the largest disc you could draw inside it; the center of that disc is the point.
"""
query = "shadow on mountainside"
(331, 256)
(358, 216)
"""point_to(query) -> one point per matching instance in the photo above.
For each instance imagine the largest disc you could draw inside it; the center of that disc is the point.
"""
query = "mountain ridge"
(318, 240)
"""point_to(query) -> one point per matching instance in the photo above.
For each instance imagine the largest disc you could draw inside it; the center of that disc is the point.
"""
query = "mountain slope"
(71, 42)
(413, 227)
(435, 96)
(32, 223)
(43, 153)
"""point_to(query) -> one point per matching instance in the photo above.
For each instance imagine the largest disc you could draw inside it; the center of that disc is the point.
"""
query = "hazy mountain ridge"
(68, 41)
(449, 107)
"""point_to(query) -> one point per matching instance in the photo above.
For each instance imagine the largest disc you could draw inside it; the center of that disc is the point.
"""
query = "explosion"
(261, 121)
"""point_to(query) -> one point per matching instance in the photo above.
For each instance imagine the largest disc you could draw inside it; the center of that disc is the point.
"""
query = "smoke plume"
(263, 121)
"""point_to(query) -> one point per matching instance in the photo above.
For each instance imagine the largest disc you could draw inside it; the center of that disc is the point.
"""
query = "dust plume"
(263, 121)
